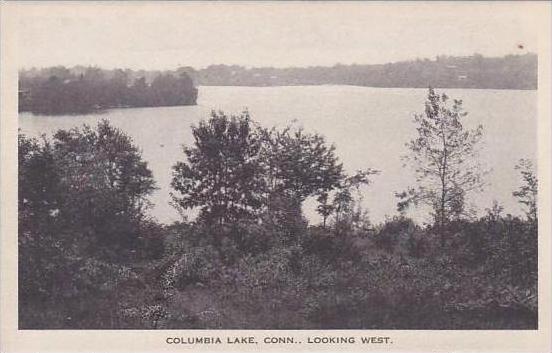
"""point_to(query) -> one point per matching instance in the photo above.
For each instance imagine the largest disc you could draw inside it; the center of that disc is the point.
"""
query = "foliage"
(59, 90)
(346, 204)
(298, 164)
(222, 171)
(527, 193)
(105, 185)
(82, 198)
(443, 156)
(89, 257)
(235, 172)
(394, 232)
(196, 265)
(329, 246)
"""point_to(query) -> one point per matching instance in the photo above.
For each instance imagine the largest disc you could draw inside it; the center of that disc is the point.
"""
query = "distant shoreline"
(361, 86)
(107, 110)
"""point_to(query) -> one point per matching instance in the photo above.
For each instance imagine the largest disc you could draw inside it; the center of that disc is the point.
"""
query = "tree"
(39, 242)
(527, 193)
(444, 158)
(104, 187)
(82, 201)
(234, 172)
(325, 208)
(296, 165)
(343, 200)
(299, 164)
(222, 174)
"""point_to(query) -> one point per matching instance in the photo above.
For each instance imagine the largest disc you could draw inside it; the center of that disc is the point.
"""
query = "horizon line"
(248, 67)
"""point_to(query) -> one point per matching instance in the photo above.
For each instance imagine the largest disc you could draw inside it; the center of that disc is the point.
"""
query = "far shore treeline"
(477, 71)
(58, 90)
(90, 256)
(80, 90)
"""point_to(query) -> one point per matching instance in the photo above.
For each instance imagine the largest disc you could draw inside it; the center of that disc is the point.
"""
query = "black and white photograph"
(279, 166)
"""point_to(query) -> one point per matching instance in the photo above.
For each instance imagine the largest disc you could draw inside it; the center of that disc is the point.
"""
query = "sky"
(143, 35)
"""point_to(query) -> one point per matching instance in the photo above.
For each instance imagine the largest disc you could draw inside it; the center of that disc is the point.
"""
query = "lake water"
(369, 127)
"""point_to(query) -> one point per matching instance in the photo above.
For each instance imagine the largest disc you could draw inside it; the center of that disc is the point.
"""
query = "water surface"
(369, 127)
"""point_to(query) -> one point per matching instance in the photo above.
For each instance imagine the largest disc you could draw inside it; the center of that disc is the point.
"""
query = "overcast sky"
(168, 35)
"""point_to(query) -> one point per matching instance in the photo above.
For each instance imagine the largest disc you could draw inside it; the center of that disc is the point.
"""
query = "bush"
(196, 265)
(397, 232)
(326, 245)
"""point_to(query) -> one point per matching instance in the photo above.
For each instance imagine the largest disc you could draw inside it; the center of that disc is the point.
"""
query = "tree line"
(476, 71)
(80, 90)
(59, 90)
(86, 240)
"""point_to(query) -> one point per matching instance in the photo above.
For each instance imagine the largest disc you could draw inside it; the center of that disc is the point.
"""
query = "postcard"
(275, 176)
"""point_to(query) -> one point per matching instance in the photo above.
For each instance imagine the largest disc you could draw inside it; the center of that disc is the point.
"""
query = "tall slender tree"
(527, 192)
(444, 159)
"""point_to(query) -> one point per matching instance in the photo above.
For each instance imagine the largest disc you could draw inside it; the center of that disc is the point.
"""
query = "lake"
(369, 127)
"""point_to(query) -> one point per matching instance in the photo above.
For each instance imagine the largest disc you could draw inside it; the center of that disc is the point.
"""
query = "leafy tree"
(235, 172)
(37, 181)
(343, 201)
(325, 208)
(299, 164)
(38, 203)
(82, 201)
(222, 174)
(527, 193)
(102, 169)
(296, 165)
(92, 183)
(444, 158)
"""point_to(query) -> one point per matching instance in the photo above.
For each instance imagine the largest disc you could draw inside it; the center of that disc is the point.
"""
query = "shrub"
(195, 265)
(395, 232)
